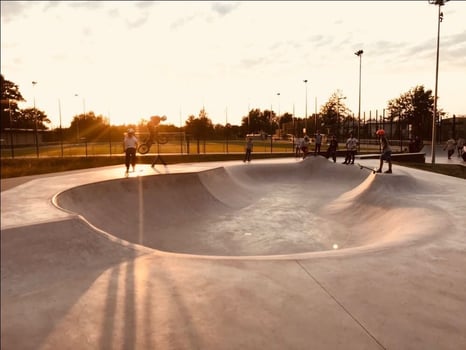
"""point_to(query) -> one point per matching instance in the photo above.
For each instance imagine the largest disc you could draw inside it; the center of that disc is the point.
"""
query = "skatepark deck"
(276, 254)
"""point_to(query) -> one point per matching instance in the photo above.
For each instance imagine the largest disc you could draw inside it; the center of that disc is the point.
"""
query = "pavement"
(274, 254)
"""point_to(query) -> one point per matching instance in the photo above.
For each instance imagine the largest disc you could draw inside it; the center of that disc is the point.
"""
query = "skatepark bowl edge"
(266, 210)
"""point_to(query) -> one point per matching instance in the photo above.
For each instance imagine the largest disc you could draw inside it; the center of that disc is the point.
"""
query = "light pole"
(434, 115)
(84, 116)
(61, 130)
(305, 115)
(315, 115)
(359, 54)
(278, 94)
(11, 130)
(338, 113)
(35, 120)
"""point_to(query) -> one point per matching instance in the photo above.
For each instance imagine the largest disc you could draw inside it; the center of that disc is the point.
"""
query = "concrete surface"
(276, 254)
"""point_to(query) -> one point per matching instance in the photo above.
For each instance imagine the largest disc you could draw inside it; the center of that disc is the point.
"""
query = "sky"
(129, 60)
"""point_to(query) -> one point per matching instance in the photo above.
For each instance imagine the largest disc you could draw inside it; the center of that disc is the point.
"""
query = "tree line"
(413, 108)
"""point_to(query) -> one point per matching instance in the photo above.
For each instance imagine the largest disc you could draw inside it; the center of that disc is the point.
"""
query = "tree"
(285, 118)
(260, 122)
(90, 126)
(30, 118)
(333, 112)
(10, 96)
(414, 107)
(201, 128)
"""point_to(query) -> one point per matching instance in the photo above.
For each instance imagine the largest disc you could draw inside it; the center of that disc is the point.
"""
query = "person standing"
(248, 148)
(386, 154)
(459, 146)
(332, 149)
(297, 145)
(318, 143)
(351, 149)
(450, 147)
(130, 145)
(305, 146)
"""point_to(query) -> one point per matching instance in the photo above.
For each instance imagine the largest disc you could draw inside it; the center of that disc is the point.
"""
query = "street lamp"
(61, 130)
(338, 112)
(305, 116)
(35, 120)
(434, 116)
(84, 116)
(359, 54)
(278, 94)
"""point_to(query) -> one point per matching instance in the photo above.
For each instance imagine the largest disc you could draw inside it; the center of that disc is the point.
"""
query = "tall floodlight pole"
(434, 115)
(278, 94)
(338, 112)
(305, 115)
(35, 121)
(359, 54)
(11, 129)
(61, 130)
(84, 117)
(315, 115)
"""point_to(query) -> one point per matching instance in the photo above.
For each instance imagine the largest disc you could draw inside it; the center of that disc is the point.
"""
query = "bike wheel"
(143, 148)
(162, 140)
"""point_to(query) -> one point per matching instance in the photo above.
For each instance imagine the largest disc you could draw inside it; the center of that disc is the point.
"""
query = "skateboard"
(366, 167)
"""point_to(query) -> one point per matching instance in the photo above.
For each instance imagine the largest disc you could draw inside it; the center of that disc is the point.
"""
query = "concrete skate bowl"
(260, 209)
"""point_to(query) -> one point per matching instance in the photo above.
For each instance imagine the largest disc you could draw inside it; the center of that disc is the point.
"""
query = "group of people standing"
(302, 145)
(352, 144)
(130, 145)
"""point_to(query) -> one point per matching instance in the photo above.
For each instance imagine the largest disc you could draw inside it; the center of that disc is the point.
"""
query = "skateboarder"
(130, 145)
(386, 151)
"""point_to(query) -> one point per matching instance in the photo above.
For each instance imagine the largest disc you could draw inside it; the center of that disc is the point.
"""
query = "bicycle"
(145, 146)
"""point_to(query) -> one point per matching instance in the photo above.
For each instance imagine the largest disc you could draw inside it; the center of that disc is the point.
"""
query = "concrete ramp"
(258, 209)
(290, 254)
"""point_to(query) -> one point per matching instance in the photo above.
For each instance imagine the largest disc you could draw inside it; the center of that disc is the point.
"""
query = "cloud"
(12, 10)
(224, 8)
(252, 63)
(181, 22)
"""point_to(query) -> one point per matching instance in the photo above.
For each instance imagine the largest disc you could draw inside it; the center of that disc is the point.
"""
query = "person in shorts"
(305, 146)
(386, 154)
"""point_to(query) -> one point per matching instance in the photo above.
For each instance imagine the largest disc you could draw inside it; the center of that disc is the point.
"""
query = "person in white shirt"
(305, 146)
(459, 144)
(450, 147)
(351, 149)
(130, 145)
